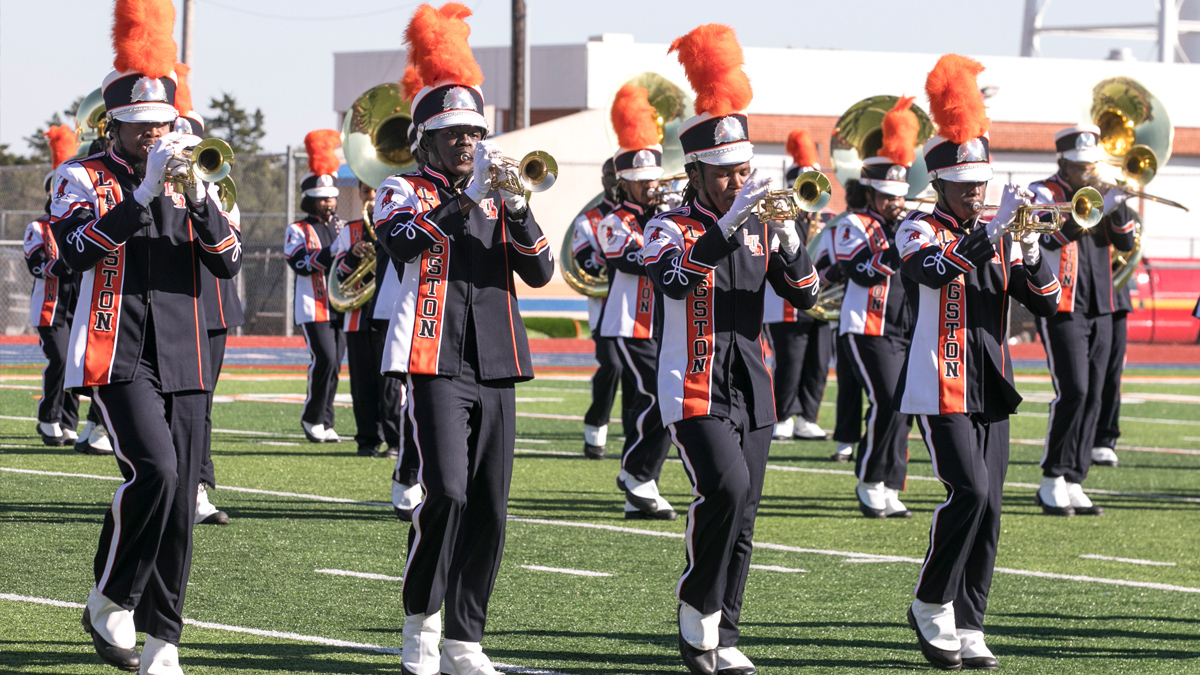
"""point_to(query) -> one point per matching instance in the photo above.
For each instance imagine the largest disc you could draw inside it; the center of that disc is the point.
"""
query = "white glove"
(672, 201)
(481, 184)
(156, 169)
(752, 191)
(1014, 196)
(1115, 198)
(198, 193)
(1031, 250)
(513, 203)
(789, 238)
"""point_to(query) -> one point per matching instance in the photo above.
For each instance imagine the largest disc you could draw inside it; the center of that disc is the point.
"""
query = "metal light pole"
(518, 112)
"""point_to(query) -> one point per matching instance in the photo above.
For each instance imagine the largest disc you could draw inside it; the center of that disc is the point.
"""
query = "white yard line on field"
(26, 387)
(563, 570)
(360, 575)
(777, 568)
(279, 635)
(551, 453)
(1131, 561)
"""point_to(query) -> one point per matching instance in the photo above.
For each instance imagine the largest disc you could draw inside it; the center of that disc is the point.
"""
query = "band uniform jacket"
(138, 264)
(629, 308)
(710, 298)
(874, 303)
(457, 265)
(345, 263)
(222, 306)
(1080, 258)
(959, 285)
(589, 254)
(778, 310)
(308, 245)
(55, 285)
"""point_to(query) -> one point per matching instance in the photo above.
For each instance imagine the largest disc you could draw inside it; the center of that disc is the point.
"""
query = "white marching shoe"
(645, 501)
(113, 634)
(844, 453)
(1081, 502)
(784, 429)
(95, 441)
(872, 499)
(1053, 497)
(465, 658)
(406, 499)
(895, 508)
(594, 439)
(206, 513)
(419, 647)
(1104, 456)
(975, 654)
(808, 431)
(315, 433)
(937, 633)
(698, 639)
(159, 658)
(331, 436)
(731, 661)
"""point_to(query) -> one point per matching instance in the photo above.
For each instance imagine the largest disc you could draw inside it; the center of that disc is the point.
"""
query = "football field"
(306, 577)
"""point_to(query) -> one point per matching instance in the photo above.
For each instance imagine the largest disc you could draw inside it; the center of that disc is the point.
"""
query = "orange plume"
(63, 143)
(712, 60)
(142, 35)
(183, 92)
(634, 118)
(802, 149)
(411, 83)
(319, 145)
(954, 98)
(900, 127)
(437, 44)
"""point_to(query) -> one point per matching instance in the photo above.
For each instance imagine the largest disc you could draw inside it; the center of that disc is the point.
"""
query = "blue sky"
(277, 55)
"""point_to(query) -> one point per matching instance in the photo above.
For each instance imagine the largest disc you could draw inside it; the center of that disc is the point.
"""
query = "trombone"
(536, 172)
(810, 193)
(1086, 208)
(1139, 166)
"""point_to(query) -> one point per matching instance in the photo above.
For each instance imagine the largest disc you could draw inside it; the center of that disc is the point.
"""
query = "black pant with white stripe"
(465, 431)
(970, 456)
(647, 441)
(802, 353)
(1078, 349)
(56, 405)
(848, 423)
(145, 551)
(408, 463)
(327, 345)
(377, 398)
(216, 348)
(1108, 424)
(883, 450)
(604, 382)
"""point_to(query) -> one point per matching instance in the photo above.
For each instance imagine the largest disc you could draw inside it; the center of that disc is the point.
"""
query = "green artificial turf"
(835, 616)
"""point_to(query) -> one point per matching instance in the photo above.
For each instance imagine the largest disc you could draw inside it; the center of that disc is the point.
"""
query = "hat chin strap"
(703, 192)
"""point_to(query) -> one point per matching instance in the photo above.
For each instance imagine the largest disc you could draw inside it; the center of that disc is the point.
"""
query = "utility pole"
(518, 105)
(189, 22)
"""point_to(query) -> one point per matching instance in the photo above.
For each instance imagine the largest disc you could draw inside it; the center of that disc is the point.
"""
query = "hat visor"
(894, 188)
(725, 155)
(1092, 155)
(972, 172)
(145, 112)
(641, 173)
(321, 192)
(455, 118)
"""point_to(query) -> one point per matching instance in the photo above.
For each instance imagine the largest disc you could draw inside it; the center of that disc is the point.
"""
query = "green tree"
(241, 130)
(12, 159)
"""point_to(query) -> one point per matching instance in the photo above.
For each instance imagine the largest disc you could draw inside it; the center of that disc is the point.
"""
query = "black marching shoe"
(391, 452)
(124, 659)
(697, 661)
(1048, 510)
(368, 451)
(593, 451)
(938, 658)
(52, 441)
(981, 663)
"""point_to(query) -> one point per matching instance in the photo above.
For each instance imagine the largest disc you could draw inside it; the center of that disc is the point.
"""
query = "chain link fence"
(268, 198)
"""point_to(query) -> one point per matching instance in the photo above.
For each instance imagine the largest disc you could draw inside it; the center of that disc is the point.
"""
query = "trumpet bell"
(211, 160)
(375, 134)
(538, 171)
(813, 191)
(1087, 207)
(1139, 165)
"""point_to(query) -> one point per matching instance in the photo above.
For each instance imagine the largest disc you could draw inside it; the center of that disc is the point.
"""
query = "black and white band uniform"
(377, 399)
(876, 322)
(139, 343)
(589, 255)
(1108, 426)
(710, 261)
(457, 338)
(308, 245)
(960, 273)
(848, 416)
(1079, 337)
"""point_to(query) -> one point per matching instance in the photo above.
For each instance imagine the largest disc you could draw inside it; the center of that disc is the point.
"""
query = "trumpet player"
(803, 345)
(628, 314)
(1079, 338)
(589, 254)
(875, 316)
(308, 245)
(457, 338)
(959, 273)
(138, 340)
(710, 260)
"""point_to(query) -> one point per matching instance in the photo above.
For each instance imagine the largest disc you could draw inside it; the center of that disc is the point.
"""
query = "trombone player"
(1078, 339)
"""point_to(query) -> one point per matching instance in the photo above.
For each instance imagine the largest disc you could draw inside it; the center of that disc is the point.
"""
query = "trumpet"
(536, 172)
(810, 193)
(659, 195)
(210, 160)
(1086, 208)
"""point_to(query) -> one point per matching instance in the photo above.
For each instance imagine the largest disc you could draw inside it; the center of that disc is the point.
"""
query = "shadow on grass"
(57, 513)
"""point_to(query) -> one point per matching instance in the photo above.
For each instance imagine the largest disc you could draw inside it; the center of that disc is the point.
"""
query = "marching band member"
(1108, 425)
(458, 338)
(848, 416)
(308, 245)
(628, 313)
(875, 316)
(803, 345)
(136, 338)
(589, 253)
(1078, 339)
(709, 261)
(959, 273)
